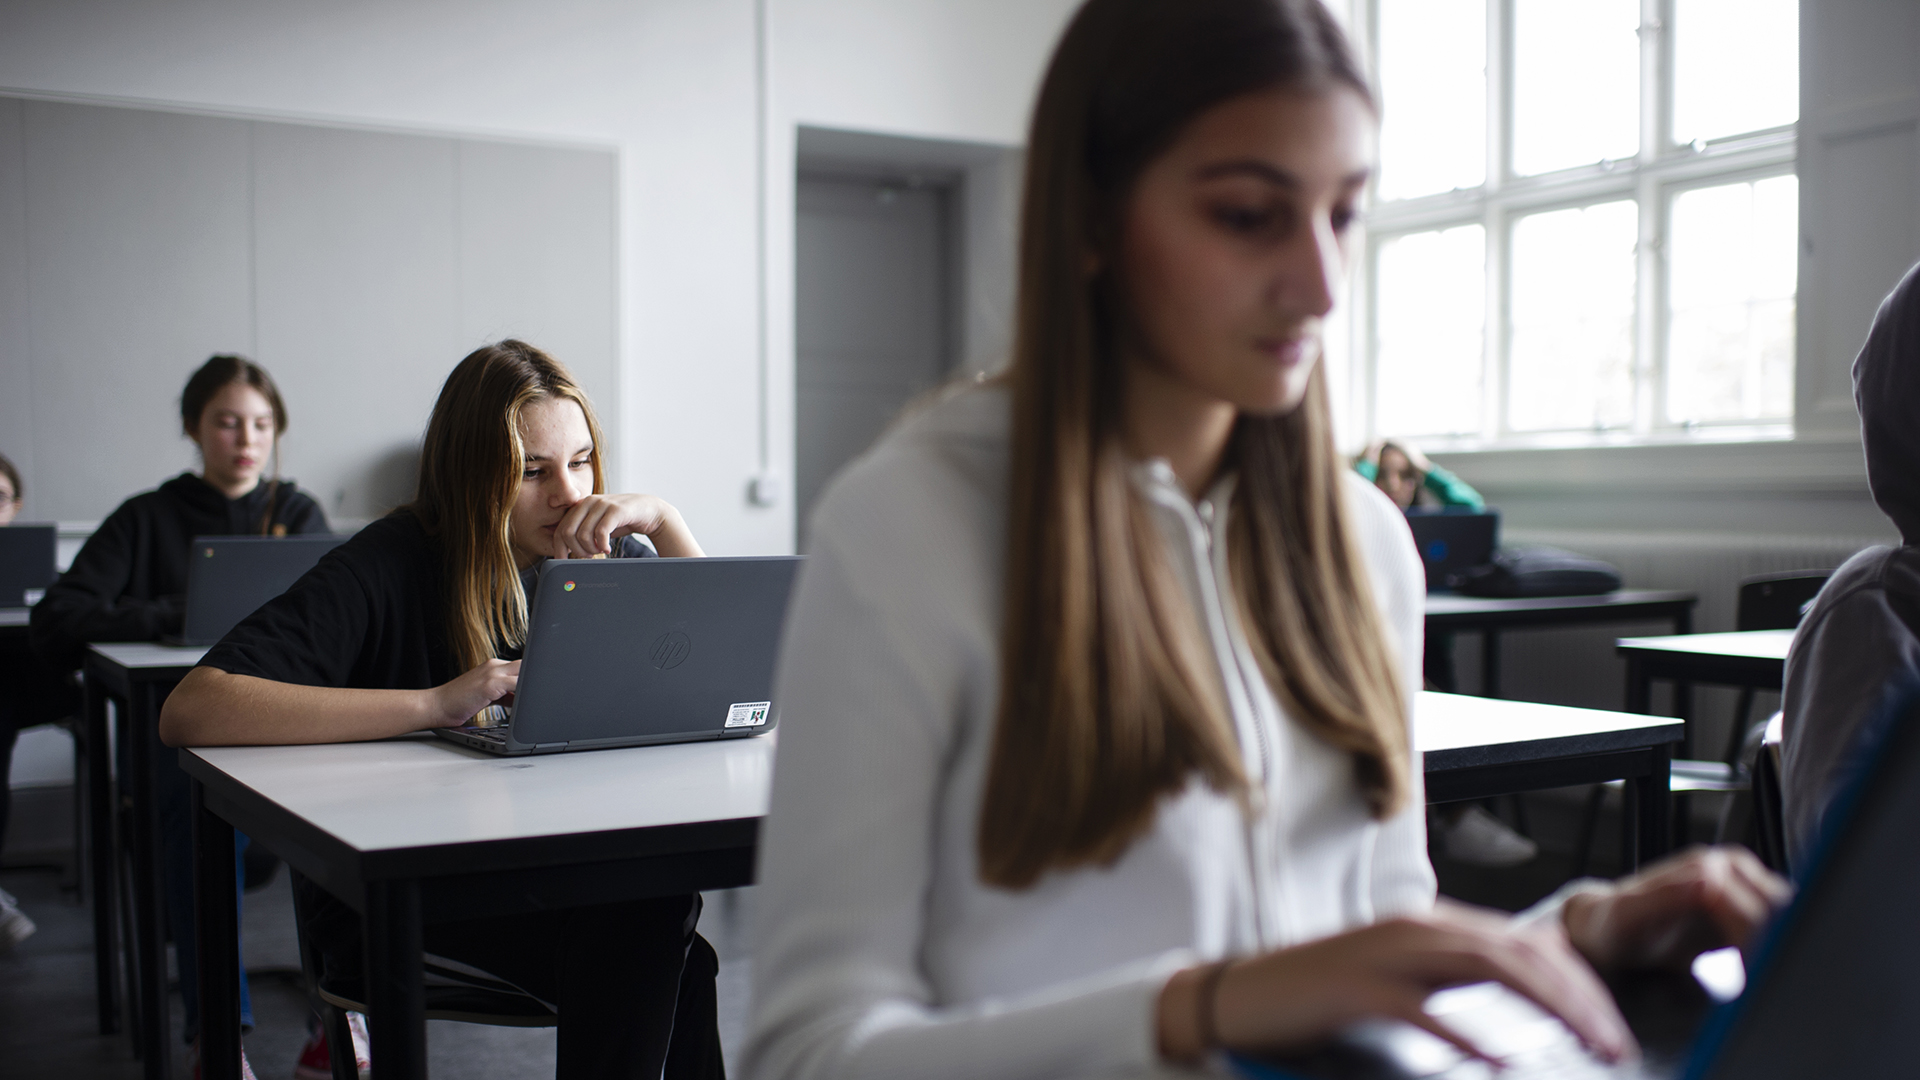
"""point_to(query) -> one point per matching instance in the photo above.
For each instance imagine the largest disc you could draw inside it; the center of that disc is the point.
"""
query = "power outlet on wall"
(764, 491)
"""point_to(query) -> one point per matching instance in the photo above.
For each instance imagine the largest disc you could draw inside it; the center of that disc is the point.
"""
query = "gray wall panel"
(137, 259)
(358, 266)
(538, 259)
(358, 305)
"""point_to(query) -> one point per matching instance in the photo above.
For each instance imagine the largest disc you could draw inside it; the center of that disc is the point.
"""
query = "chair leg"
(1737, 732)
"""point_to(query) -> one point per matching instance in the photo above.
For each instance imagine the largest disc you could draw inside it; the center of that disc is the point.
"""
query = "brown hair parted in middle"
(1110, 697)
(220, 371)
(470, 466)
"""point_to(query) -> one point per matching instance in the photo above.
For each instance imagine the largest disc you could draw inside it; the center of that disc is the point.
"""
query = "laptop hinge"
(541, 747)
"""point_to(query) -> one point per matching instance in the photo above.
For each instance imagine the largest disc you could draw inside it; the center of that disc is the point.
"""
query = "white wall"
(673, 84)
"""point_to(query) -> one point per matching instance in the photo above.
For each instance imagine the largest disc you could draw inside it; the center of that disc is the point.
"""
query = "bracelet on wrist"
(1206, 1005)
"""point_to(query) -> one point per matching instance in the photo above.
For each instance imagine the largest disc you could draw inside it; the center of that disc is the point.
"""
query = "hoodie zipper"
(1202, 524)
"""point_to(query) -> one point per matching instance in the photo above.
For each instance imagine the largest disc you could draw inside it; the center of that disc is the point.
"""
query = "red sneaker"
(316, 1063)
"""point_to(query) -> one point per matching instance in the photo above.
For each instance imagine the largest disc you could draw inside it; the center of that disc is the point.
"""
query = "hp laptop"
(1452, 542)
(627, 652)
(229, 577)
(1830, 993)
(26, 564)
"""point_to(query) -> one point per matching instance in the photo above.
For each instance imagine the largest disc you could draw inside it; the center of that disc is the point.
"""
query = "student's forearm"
(673, 540)
(211, 707)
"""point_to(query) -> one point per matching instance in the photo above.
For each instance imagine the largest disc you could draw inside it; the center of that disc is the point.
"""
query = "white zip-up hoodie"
(878, 950)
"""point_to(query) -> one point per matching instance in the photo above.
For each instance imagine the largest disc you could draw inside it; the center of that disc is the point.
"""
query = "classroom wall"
(354, 263)
(705, 146)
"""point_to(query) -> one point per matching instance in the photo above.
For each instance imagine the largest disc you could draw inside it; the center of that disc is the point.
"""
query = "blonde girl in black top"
(416, 622)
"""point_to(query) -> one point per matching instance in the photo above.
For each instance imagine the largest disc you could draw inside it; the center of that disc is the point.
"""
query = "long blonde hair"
(1110, 696)
(470, 467)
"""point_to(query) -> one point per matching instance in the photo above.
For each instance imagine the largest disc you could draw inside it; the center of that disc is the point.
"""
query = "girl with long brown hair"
(418, 622)
(1094, 750)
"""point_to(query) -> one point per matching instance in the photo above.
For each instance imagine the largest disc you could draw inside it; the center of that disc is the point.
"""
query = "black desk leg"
(102, 859)
(395, 998)
(1490, 663)
(1639, 687)
(1654, 793)
(148, 892)
(216, 923)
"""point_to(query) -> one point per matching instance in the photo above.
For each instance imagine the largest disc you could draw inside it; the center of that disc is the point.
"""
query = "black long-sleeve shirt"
(129, 581)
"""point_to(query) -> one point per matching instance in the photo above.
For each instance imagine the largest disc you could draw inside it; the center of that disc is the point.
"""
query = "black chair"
(1765, 602)
(503, 1006)
(1768, 602)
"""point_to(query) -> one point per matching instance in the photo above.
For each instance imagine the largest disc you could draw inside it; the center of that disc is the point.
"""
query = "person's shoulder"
(167, 498)
(396, 542)
(297, 502)
(1385, 543)
(941, 467)
(1868, 576)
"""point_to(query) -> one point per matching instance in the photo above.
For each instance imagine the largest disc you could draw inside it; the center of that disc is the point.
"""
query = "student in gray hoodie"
(1860, 642)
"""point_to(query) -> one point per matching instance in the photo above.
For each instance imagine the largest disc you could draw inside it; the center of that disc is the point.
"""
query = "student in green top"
(1410, 480)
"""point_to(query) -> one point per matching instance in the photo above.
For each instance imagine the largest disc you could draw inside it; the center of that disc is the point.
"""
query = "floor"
(47, 1021)
(46, 990)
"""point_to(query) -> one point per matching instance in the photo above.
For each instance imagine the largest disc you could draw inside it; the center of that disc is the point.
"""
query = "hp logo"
(670, 650)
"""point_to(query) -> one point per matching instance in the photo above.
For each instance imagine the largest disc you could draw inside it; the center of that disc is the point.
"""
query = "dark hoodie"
(1861, 639)
(129, 582)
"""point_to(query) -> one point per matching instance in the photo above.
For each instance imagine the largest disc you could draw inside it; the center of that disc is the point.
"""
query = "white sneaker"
(1478, 838)
(15, 927)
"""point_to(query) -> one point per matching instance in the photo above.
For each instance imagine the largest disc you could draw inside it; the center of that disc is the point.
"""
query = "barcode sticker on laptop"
(748, 713)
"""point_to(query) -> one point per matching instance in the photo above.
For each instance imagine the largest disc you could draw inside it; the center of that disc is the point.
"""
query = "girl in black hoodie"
(129, 582)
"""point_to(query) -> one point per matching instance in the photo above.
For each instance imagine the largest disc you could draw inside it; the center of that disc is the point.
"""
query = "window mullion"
(1650, 264)
(1493, 394)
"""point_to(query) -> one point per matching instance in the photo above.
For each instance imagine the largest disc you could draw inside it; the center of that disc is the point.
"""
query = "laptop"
(1829, 993)
(230, 577)
(26, 564)
(1451, 542)
(630, 652)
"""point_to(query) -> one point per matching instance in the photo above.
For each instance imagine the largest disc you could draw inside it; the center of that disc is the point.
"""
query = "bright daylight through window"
(1583, 228)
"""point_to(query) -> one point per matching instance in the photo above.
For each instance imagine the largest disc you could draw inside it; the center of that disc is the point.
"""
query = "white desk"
(137, 676)
(406, 828)
(1749, 659)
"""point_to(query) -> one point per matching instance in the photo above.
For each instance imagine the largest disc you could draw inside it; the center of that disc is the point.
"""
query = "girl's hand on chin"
(453, 703)
(592, 525)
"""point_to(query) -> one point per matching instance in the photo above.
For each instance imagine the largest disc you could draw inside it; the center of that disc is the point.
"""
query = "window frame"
(1652, 181)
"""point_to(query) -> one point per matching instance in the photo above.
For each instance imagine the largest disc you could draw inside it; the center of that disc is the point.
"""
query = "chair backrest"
(1776, 601)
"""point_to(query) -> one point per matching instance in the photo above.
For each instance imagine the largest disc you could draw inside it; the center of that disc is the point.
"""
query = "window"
(1584, 224)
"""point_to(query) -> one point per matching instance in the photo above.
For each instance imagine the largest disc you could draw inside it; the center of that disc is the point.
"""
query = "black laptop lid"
(229, 577)
(1452, 542)
(651, 650)
(26, 562)
(1834, 988)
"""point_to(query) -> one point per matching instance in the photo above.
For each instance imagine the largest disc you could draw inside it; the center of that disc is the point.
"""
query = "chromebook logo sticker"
(568, 586)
